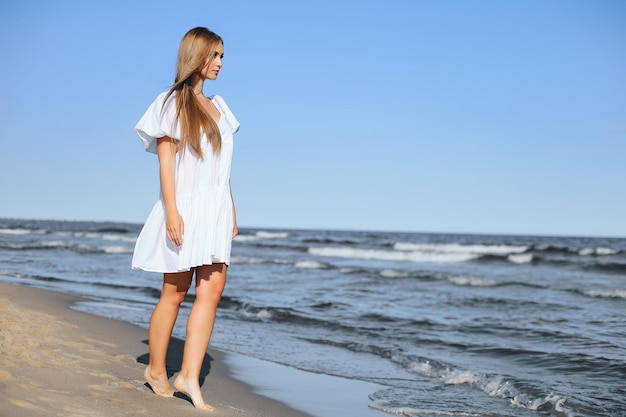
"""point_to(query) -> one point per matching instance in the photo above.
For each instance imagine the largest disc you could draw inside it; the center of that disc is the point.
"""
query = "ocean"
(446, 324)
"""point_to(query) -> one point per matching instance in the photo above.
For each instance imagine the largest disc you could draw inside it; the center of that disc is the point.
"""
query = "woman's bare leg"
(210, 282)
(175, 287)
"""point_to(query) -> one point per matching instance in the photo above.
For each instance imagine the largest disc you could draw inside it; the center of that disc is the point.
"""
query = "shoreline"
(55, 361)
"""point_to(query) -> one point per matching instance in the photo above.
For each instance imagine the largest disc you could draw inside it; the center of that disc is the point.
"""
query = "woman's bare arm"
(166, 150)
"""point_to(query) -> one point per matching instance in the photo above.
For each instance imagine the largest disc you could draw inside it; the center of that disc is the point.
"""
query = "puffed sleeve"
(230, 117)
(158, 121)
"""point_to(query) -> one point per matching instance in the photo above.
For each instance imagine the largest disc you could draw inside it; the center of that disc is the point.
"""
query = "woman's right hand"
(174, 225)
(175, 228)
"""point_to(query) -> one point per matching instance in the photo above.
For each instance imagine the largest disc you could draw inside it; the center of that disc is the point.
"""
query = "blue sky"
(428, 116)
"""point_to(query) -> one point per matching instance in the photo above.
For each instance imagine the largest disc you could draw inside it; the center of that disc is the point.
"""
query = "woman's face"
(213, 65)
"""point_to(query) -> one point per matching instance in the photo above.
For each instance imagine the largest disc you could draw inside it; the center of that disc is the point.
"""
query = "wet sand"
(55, 361)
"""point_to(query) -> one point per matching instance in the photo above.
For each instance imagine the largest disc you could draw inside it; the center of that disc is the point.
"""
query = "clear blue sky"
(436, 116)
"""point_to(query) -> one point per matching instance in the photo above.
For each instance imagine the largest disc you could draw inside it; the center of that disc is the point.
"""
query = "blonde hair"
(197, 48)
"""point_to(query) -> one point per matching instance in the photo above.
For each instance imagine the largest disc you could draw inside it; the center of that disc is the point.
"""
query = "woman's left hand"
(235, 229)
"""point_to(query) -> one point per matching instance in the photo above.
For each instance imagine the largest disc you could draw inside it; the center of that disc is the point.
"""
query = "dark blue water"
(460, 325)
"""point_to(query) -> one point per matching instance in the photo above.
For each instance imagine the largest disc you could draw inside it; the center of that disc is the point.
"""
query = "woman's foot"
(159, 385)
(192, 390)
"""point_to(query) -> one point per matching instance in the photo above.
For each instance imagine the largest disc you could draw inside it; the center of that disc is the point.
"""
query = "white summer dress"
(202, 195)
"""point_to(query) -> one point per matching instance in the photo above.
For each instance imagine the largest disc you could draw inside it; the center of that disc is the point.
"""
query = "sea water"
(447, 324)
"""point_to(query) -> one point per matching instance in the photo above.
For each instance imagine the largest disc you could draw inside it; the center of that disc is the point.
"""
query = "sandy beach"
(55, 361)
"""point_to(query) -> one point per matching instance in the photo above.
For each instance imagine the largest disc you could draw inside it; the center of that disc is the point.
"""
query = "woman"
(190, 229)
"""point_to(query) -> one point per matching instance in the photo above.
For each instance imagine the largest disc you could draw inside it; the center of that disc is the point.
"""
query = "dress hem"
(139, 268)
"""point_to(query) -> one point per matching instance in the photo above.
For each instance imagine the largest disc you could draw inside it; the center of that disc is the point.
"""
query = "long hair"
(197, 47)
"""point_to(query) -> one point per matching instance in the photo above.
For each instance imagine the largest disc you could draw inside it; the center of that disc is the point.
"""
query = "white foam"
(117, 249)
(310, 265)
(494, 386)
(423, 369)
(409, 411)
(385, 255)
(458, 248)
(551, 401)
(262, 314)
(245, 238)
(16, 231)
(88, 235)
(472, 281)
(55, 244)
(607, 293)
(131, 239)
(261, 236)
(247, 260)
(597, 251)
(457, 377)
(606, 251)
(520, 259)
(272, 235)
(391, 273)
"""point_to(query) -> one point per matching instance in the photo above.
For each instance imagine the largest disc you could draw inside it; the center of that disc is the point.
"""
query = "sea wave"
(261, 235)
(418, 253)
(387, 255)
(577, 250)
(493, 385)
(410, 411)
(22, 231)
(607, 293)
(257, 260)
(43, 245)
(249, 260)
(113, 230)
(107, 236)
(116, 249)
(520, 259)
(65, 245)
(472, 281)
(392, 273)
(262, 314)
(281, 315)
(614, 267)
(311, 265)
(277, 314)
(34, 277)
(330, 240)
(458, 248)
(598, 251)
